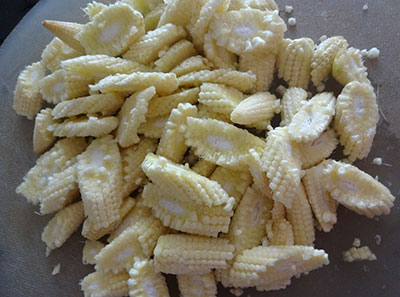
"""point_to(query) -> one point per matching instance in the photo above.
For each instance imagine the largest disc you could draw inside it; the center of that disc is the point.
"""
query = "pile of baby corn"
(144, 141)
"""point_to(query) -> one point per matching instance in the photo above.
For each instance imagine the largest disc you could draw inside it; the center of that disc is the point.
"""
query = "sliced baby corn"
(90, 250)
(143, 6)
(165, 83)
(220, 142)
(132, 114)
(153, 127)
(178, 12)
(43, 138)
(348, 66)
(93, 8)
(192, 64)
(281, 162)
(324, 55)
(206, 112)
(146, 49)
(260, 180)
(220, 98)
(105, 284)
(356, 118)
(62, 225)
(191, 254)
(112, 30)
(175, 55)
(256, 4)
(58, 158)
(66, 32)
(27, 98)
(56, 52)
(280, 232)
(146, 281)
(85, 126)
(291, 102)
(218, 55)
(204, 167)
(356, 190)
(202, 285)
(312, 118)
(153, 17)
(172, 143)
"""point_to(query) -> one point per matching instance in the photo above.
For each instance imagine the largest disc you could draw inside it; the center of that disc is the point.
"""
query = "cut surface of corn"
(85, 126)
(105, 284)
(348, 66)
(202, 285)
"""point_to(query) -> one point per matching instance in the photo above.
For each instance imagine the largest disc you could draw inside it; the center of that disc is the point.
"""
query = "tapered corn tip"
(66, 31)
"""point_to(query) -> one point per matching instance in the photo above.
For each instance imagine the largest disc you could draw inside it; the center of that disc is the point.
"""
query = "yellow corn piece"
(218, 55)
(301, 218)
(204, 168)
(220, 98)
(75, 85)
(43, 138)
(348, 66)
(112, 30)
(145, 281)
(260, 180)
(356, 118)
(294, 61)
(55, 160)
(257, 109)
(243, 81)
(153, 17)
(323, 206)
(356, 190)
(132, 114)
(178, 12)
(56, 52)
(206, 112)
(62, 225)
(235, 183)
(312, 118)
(192, 64)
(272, 267)
(291, 102)
(319, 149)
(256, 4)
(359, 254)
(161, 106)
(132, 157)
(143, 6)
(66, 32)
(172, 143)
(191, 254)
(281, 162)
(324, 55)
(27, 98)
(175, 55)
(90, 250)
(105, 284)
(280, 232)
(165, 83)
(105, 104)
(100, 181)
(85, 126)
(61, 190)
(153, 127)
(278, 211)
(146, 49)
(202, 285)
(93, 8)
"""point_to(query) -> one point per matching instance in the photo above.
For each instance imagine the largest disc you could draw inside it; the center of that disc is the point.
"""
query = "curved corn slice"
(324, 54)
(243, 81)
(178, 12)
(219, 98)
(62, 225)
(143, 6)
(90, 250)
(319, 149)
(43, 138)
(348, 66)
(359, 254)
(218, 55)
(206, 112)
(152, 19)
(146, 49)
(312, 118)
(153, 127)
(105, 284)
(132, 114)
(247, 29)
(294, 61)
(55, 160)
(356, 190)
(175, 55)
(86, 126)
(27, 98)
(66, 31)
(301, 218)
(291, 102)
(272, 267)
(256, 4)
(233, 182)
(256, 109)
(93, 8)
(145, 281)
(100, 180)
(56, 52)
(323, 206)
(356, 119)
(280, 232)
(260, 180)
(112, 30)
(61, 190)
(281, 162)
(204, 168)
(161, 106)
(165, 83)
(184, 183)
(105, 104)
(132, 157)
(191, 254)
(172, 143)
(220, 142)
(202, 285)
(193, 64)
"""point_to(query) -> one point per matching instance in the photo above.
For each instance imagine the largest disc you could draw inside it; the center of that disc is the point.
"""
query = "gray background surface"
(24, 269)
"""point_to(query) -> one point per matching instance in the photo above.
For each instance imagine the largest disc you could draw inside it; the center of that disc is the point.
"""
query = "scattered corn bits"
(348, 66)
(56, 52)
(359, 254)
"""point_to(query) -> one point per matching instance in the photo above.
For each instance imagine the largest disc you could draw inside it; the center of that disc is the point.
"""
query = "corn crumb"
(288, 9)
(292, 21)
(373, 53)
(377, 161)
(56, 269)
(356, 242)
